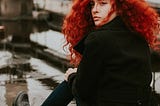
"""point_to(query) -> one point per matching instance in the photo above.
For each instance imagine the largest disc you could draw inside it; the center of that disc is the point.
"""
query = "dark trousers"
(61, 96)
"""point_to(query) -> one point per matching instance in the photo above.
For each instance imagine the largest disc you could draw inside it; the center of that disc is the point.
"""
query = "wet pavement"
(39, 81)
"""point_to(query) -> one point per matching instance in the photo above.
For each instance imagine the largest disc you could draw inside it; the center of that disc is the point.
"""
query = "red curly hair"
(137, 15)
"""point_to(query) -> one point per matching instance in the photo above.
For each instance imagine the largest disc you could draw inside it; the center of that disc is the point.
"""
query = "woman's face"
(100, 9)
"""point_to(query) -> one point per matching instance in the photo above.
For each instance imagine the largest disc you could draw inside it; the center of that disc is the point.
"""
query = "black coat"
(115, 66)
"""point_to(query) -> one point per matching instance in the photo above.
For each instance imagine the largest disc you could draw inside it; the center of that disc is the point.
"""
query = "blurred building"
(12, 8)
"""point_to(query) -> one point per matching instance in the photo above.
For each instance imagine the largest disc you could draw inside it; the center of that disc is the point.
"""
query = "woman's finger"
(68, 72)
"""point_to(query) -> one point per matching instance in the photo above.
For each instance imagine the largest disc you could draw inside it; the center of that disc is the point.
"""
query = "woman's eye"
(103, 3)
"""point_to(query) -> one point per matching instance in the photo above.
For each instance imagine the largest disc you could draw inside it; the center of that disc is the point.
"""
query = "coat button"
(139, 102)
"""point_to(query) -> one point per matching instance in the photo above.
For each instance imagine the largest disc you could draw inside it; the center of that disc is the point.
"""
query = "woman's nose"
(95, 8)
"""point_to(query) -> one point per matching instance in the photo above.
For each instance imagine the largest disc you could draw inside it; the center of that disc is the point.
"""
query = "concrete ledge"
(39, 51)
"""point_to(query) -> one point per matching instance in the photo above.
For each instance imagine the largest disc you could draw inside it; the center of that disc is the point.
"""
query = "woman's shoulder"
(100, 37)
(108, 34)
(110, 37)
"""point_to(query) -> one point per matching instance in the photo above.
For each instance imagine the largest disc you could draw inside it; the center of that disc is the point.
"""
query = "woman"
(110, 42)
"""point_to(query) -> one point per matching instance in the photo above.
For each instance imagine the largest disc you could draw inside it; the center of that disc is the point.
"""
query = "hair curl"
(137, 14)
(140, 17)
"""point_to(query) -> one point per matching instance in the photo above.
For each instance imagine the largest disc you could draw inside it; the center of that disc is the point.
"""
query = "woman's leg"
(61, 96)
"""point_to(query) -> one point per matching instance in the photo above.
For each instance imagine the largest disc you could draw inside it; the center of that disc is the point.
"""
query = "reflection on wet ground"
(29, 74)
(48, 82)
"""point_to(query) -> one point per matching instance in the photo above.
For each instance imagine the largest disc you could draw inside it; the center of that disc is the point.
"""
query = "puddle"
(30, 74)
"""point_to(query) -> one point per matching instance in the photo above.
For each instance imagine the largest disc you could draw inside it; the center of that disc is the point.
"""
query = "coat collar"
(115, 24)
(79, 47)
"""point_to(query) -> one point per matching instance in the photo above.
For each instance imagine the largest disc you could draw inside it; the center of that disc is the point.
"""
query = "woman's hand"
(68, 72)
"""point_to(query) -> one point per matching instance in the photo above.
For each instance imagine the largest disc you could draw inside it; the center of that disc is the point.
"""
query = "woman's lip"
(96, 18)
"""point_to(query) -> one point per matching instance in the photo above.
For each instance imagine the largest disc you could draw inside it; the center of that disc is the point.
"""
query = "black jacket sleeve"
(86, 80)
(71, 77)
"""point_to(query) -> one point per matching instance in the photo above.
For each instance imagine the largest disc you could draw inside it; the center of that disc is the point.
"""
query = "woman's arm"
(89, 70)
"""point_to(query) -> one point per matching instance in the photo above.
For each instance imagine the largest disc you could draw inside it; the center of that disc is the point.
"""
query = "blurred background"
(32, 57)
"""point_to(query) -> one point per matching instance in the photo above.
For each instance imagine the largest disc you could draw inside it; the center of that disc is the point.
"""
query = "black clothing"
(115, 66)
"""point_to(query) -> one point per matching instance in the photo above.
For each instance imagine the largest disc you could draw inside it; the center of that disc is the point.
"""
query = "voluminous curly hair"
(137, 15)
